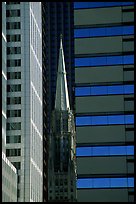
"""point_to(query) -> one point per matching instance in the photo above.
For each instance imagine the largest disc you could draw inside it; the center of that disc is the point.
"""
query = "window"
(101, 61)
(13, 50)
(14, 63)
(13, 152)
(13, 100)
(105, 182)
(14, 38)
(78, 5)
(106, 31)
(13, 139)
(12, 3)
(13, 113)
(17, 165)
(104, 151)
(13, 13)
(104, 90)
(104, 120)
(13, 25)
(14, 126)
(14, 88)
(13, 75)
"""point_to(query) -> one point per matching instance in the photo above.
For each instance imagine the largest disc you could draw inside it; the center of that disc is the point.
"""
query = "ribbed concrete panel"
(97, 16)
(100, 134)
(102, 195)
(95, 104)
(98, 45)
(99, 74)
(100, 165)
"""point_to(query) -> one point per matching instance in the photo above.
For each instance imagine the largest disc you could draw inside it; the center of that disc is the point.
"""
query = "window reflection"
(104, 90)
(105, 182)
(104, 120)
(104, 151)
(101, 61)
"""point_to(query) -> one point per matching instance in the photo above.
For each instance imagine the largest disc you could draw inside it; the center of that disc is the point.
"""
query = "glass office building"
(24, 137)
(104, 96)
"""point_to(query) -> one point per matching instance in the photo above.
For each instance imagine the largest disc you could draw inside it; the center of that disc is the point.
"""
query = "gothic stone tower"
(62, 144)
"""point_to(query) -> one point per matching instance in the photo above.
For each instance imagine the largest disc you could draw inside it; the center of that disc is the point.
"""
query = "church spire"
(62, 98)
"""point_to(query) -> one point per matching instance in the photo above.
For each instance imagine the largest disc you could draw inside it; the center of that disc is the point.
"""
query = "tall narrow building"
(24, 138)
(61, 164)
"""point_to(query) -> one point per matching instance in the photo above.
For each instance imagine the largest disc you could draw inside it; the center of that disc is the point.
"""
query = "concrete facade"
(24, 97)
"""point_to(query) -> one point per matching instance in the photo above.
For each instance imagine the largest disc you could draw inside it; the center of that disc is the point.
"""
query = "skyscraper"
(24, 135)
(104, 79)
(9, 172)
(62, 143)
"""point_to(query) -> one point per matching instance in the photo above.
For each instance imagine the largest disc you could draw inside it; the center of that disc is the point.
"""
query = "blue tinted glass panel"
(129, 119)
(101, 183)
(130, 150)
(82, 91)
(100, 4)
(100, 151)
(118, 150)
(83, 120)
(101, 61)
(129, 89)
(105, 182)
(84, 183)
(109, 31)
(119, 182)
(130, 182)
(99, 120)
(116, 119)
(128, 59)
(103, 120)
(104, 151)
(99, 90)
(104, 90)
(83, 151)
(118, 89)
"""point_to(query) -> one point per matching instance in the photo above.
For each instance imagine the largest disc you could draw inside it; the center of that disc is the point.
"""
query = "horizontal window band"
(83, 5)
(104, 120)
(104, 90)
(103, 31)
(107, 60)
(114, 175)
(105, 182)
(104, 151)
(128, 10)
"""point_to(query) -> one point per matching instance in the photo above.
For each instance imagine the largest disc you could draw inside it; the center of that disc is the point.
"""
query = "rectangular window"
(17, 165)
(104, 90)
(13, 139)
(78, 5)
(12, 3)
(13, 13)
(13, 75)
(13, 50)
(14, 63)
(14, 126)
(14, 88)
(104, 31)
(104, 151)
(103, 61)
(105, 182)
(104, 120)
(13, 152)
(13, 113)
(14, 38)
(13, 25)
(13, 100)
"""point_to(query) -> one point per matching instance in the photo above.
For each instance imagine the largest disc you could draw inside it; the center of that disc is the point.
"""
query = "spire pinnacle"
(62, 98)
